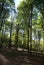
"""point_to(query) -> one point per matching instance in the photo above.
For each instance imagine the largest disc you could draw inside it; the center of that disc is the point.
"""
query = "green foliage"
(27, 29)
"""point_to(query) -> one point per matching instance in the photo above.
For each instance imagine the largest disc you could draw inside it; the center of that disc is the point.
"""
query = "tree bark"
(28, 40)
(10, 36)
(16, 41)
(1, 23)
(31, 31)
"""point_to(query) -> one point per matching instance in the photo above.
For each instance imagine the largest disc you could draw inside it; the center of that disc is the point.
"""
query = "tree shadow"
(17, 57)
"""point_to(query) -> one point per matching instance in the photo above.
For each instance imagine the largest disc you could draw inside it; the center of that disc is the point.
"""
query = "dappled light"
(21, 32)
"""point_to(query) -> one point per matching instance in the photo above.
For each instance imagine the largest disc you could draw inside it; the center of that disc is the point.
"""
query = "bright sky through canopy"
(17, 2)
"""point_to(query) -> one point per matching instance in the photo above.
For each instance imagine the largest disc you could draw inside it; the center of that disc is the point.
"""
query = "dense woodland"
(22, 27)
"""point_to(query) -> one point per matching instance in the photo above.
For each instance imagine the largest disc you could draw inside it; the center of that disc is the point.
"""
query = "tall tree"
(5, 9)
(26, 8)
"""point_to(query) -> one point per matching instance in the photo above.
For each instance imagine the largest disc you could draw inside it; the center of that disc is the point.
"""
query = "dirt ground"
(20, 58)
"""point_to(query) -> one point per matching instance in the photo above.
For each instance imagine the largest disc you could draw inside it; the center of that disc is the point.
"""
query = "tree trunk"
(1, 22)
(10, 36)
(16, 41)
(43, 27)
(31, 31)
(28, 40)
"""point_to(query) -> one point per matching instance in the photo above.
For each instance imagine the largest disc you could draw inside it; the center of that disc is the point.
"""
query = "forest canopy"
(22, 27)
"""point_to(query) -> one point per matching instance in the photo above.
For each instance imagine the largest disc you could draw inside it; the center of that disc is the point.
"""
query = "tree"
(16, 38)
(26, 14)
(5, 9)
(25, 8)
(40, 5)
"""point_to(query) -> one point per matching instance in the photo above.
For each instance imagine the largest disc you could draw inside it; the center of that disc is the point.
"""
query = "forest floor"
(12, 57)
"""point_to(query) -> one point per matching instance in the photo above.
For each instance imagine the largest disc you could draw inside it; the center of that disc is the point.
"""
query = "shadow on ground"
(19, 58)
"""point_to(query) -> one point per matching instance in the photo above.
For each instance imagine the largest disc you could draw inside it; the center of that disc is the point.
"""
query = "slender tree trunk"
(2, 28)
(16, 41)
(35, 37)
(1, 37)
(28, 40)
(10, 36)
(39, 44)
(31, 31)
(17, 38)
(43, 27)
(1, 23)
(31, 39)
(23, 41)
